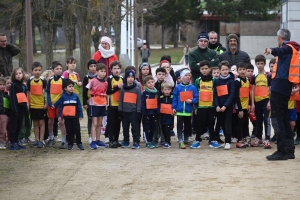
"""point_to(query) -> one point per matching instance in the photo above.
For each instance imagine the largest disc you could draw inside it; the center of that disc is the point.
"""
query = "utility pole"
(29, 45)
(136, 62)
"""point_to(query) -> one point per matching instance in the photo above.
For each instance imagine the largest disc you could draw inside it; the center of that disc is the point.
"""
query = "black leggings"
(16, 124)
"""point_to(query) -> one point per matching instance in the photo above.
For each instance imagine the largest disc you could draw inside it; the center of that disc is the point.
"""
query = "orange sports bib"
(293, 97)
(222, 90)
(186, 95)
(21, 97)
(205, 96)
(69, 111)
(130, 97)
(99, 100)
(36, 89)
(151, 103)
(166, 108)
(116, 95)
(261, 91)
(244, 92)
(55, 89)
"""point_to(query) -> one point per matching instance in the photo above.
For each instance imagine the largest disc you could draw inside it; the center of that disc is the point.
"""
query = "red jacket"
(97, 56)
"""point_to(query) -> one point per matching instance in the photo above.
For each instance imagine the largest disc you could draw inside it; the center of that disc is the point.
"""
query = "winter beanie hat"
(90, 62)
(107, 40)
(203, 35)
(129, 73)
(232, 36)
(184, 72)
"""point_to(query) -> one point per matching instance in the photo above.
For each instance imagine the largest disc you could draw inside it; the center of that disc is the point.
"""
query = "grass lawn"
(155, 55)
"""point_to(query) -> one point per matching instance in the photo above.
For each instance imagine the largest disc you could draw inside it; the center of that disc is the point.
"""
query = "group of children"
(222, 97)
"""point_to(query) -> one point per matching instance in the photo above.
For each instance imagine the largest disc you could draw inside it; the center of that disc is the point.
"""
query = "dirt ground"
(174, 173)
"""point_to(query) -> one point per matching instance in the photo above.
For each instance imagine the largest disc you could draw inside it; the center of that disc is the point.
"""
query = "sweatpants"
(166, 128)
(149, 126)
(262, 115)
(225, 119)
(187, 123)
(16, 124)
(281, 124)
(89, 121)
(158, 132)
(205, 117)
(242, 125)
(113, 124)
(131, 118)
(234, 125)
(298, 124)
(73, 128)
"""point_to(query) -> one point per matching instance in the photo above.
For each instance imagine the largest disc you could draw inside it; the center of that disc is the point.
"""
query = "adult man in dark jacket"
(200, 54)
(233, 55)
(284, 75)
(214, 44)
(7, 51)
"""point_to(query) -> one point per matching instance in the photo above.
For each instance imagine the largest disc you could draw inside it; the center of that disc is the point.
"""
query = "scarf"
(206, 78)
(129, 87)
(226, 77)
(91, 75)
(106, 53)
(154, 90)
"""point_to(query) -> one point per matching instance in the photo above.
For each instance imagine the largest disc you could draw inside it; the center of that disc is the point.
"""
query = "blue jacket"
(149, 95)
(280, 83)
(69, 100)
(225, 100)
(166, 118)
(182, 108)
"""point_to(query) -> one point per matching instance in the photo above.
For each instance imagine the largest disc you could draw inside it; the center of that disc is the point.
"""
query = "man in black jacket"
(7, 51)
(214, 44)
(233, 55)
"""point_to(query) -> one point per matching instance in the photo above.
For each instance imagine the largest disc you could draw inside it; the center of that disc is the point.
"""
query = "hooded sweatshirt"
(281, 83)
(225, 100)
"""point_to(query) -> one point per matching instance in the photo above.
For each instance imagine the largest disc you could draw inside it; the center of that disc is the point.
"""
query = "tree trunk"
(33, 37)
(175, 36)
(22, 41)
(148, 35)
(42, 38)
(163, 46)
(85, 47)
(47, 27)
(69, 28)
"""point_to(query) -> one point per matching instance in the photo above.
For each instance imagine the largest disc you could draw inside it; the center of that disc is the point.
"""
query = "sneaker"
(23, 141)
(277, 156)
(56, 139)
(220, 141)
(195, 145)
(221, 132)
(149, 145)
(240, 144)
(50, 143)
(70, 147)
(247, 141)
(172, 133)
(125, 144)
(297, 141)
(162, 143)
(1, 146)
(119, 144)
(101, 144)
(166, 146)
(257, 143)
(227, 146)
(113, 144)
(35, 144)
(154, 144)
(80, 147)
(135, 146)
(41, 145)
(102, 130)
(90, 140)
(106, 140)
(214, 144)
(234, 140)
(93, 145)
(205, 136)
(253, 135)
(273, 139)
(182, 145)
(14, 147)
(63, 145)
(267, 144)
(291, 156)
(21, 147)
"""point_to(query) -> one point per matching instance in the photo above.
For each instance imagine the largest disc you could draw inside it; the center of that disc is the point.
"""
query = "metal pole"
(143, 26)
(29, 45)
(135, 38)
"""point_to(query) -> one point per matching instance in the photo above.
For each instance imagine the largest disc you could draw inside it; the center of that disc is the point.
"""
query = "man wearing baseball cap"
(233, 55)
(200, 54)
